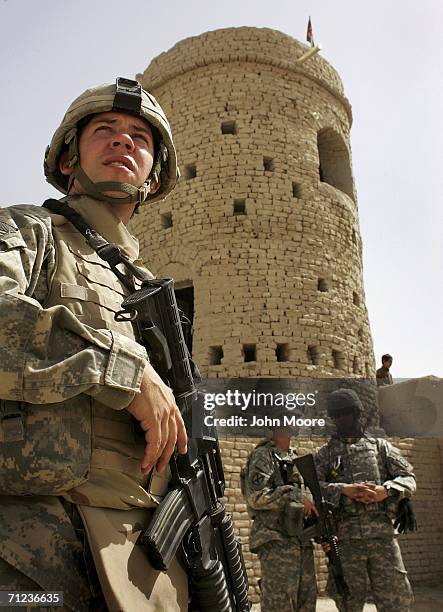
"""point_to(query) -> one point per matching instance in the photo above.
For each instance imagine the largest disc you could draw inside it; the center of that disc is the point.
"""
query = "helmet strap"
(96, 190)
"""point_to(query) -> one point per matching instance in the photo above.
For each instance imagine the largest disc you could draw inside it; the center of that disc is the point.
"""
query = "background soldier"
(287, 568)
(72, 377)
(364, 479)
(383, 375)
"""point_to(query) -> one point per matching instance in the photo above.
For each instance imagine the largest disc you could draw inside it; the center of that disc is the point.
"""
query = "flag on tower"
(309, 35)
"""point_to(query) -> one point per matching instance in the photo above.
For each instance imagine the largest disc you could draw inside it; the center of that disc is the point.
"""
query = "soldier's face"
(345, 422)
(116, 146)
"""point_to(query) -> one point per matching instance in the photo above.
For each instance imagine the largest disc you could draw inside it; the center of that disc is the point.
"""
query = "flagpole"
(312, 51)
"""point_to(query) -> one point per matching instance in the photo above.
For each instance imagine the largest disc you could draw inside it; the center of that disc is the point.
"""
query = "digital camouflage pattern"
(54, 364)
(366, 459)
(287, 578)
(67, 371)
(365, 531)
(268, 498)
(380, 558)
(40, 550)
(287, 568)
(52, 454)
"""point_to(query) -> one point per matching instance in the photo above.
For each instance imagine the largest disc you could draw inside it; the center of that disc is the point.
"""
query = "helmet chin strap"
(135, 195)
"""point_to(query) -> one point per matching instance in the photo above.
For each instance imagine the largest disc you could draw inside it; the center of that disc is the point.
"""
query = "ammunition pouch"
(292, 518)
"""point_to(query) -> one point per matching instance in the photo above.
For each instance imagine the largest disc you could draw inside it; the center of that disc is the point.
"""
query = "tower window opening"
(239, 207)
(190, 171)
(313, 355)
(166, 219)
(360, 334)
(268, 164)
(296, 190)
(322, 285)
(354, 237)
(355, 298)
(282, 352)
(249, 353)
(338, 359)
(356, 366)
(229, 127)
(334, 161)
(215, 355)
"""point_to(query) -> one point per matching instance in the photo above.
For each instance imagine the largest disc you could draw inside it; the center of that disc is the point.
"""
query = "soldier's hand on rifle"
(308, 507)
(156, 411)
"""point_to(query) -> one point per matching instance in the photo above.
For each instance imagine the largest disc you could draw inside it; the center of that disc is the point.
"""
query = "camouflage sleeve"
(401, 476)
(261, 494)
(48, 355)
(331, 490)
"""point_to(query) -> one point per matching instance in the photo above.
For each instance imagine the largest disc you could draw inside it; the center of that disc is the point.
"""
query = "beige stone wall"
(286, 270)
(422, 551)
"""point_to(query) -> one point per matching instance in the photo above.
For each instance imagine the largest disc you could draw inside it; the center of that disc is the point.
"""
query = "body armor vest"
(81, 448)
(362, 461)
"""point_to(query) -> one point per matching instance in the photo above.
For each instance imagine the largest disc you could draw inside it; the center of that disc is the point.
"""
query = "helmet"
(342, 399)
(129, 97)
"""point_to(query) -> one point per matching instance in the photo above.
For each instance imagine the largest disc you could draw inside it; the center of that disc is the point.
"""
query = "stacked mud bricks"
(264, 221)
(263, 224)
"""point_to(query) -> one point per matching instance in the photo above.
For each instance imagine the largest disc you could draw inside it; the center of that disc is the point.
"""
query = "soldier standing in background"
(383, 375)
(76, 485)
(364, 479)
(287, 568)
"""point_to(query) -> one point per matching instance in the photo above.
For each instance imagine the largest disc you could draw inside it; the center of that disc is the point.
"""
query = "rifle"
(323, 527)
(191, 517)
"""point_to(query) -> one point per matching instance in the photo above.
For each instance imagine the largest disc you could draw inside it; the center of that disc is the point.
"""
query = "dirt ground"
(427, 599)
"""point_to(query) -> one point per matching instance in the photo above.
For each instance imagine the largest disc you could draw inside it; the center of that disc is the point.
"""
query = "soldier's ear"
(63, 164)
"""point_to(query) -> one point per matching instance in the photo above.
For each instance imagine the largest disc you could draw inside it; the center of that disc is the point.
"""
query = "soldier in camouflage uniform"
(364, 478)
(72, 378)
(287, 568)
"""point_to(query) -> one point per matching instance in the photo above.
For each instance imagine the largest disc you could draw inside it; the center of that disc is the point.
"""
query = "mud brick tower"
(261, 233)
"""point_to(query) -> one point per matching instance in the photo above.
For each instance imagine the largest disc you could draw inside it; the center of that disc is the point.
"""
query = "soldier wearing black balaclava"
(367, 482)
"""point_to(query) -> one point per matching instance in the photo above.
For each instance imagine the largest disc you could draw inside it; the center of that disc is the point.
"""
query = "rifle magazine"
(170, 522)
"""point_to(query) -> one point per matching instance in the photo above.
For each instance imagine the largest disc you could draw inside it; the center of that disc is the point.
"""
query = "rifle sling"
(109, 252)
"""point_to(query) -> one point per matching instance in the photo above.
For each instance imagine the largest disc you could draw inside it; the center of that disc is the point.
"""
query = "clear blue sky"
(389, 56)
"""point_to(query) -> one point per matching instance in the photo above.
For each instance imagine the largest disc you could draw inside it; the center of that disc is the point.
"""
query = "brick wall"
(264, 222)
(422, 551)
